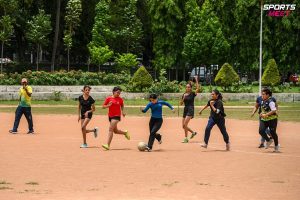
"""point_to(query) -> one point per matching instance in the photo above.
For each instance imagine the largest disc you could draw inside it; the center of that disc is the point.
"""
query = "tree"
(271, 75)
(100, 55)
(72, 19)
(126, 61)
(117, 26)
(6, 30)
(55, 41)
(226, 76)
(141, 79)
(38, 30)
(204, 42)
(167, 24)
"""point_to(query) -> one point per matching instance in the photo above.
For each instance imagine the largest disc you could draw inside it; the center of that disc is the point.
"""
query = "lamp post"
(260, 46)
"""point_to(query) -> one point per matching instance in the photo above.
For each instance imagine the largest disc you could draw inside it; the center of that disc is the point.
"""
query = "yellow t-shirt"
(25, 100)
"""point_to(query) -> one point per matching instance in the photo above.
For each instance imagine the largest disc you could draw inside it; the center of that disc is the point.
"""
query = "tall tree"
(204, 42)
(72, 19)
(166, 24)
(38, 30)
(116, 25)
(6, 30)
(55, 40)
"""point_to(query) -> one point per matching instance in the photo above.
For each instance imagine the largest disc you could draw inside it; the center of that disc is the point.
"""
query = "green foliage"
(72, 19)
(117, 26)
(100, 55)
(163, 85)
(226, 76)
(6, 31)
(204, 41)
(6, 28)
(140, 80)
(39, 28)
(167, 24)
(271, 75)
(126, 61)
(66, 78)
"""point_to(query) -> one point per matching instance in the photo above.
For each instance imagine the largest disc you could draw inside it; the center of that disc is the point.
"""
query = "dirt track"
(58, 169)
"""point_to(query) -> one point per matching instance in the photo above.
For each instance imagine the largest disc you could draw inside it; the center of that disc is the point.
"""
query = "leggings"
(272, 125)
(221, 125)
(154, 126)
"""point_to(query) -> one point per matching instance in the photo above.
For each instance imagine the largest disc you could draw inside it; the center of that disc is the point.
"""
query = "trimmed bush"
(141, 79)
(226, 77)
(66, 78)
(271, 75)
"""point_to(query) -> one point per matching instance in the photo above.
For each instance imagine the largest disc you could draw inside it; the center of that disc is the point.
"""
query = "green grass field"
(287, 111)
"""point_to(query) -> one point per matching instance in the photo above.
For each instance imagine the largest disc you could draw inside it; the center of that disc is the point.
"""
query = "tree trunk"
(58, 2)
(37, 58)
(2, 47)
(68, 59)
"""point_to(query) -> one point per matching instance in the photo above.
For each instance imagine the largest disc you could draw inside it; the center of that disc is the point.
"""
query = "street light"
(260, 46)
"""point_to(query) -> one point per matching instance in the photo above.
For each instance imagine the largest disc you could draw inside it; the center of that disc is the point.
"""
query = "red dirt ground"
(53, 160)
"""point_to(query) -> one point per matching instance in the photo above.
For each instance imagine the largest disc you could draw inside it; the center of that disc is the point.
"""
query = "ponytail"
(218, 93)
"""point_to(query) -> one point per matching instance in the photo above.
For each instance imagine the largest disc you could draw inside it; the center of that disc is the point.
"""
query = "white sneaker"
(96, 131)
(204, 145)
(276, 149)
(268, 144)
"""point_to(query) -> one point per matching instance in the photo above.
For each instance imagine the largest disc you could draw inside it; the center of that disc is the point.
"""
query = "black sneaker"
(30, 132)
(261, 146)
(159, 138)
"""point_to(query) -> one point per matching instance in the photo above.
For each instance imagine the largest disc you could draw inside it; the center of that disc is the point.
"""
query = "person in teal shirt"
(156, 118)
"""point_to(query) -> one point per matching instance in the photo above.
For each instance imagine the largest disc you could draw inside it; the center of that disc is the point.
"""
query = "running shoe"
(228, 147)
(127, 135)
(84, 146)
(96, 131)
(30, 132)
(261, 145)
(276, 149)
(268, 144)
(105, 146)
(159, 138)
(204, 146)
(185, 140)
(193, 135)
(13, 132)
(148, 149)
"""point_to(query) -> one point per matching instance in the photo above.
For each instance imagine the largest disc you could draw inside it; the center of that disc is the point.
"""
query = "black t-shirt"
(218, 104)
(189, 99)
(86, 105)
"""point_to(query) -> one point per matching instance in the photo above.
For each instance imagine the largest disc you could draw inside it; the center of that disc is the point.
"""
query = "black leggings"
(154, 126)
(272, 125)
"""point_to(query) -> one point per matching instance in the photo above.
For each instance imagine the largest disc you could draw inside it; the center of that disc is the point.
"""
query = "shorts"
(114, 118)
(188, 111)
(90, 115)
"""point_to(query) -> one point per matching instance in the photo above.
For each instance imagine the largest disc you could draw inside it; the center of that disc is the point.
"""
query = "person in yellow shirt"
(24, 107)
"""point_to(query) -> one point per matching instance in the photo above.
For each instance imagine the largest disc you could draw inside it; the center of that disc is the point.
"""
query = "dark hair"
(267, 91)
(116, 89)
(86, 86)
(190, 84)
(218, 93)
(153, 96)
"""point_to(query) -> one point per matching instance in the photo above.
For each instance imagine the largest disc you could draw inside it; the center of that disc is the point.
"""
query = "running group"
(265, 105)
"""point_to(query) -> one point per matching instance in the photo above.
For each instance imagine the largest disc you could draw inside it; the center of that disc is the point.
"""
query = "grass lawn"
(288, 111)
